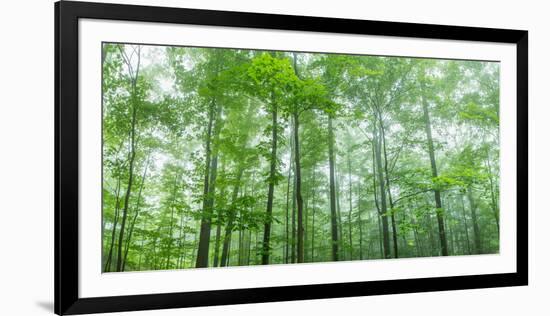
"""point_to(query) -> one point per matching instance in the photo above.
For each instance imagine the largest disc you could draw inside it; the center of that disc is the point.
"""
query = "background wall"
(26, 155)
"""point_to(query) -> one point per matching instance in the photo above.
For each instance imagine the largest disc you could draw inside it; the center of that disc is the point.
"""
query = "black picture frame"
(67, 15)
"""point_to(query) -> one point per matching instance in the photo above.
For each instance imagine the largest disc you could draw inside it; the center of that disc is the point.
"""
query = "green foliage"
(193, 128)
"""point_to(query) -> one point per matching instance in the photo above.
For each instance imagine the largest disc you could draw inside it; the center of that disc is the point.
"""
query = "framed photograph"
(208, 157)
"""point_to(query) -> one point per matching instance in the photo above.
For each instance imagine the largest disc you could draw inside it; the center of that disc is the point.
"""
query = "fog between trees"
(230, 157)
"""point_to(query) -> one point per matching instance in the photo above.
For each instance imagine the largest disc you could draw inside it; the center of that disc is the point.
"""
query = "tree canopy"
(228, 157)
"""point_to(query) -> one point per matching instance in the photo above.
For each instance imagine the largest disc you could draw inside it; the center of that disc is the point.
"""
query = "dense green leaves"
(224, 157)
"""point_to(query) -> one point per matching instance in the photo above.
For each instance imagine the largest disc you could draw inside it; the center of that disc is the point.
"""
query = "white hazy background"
(27, 156)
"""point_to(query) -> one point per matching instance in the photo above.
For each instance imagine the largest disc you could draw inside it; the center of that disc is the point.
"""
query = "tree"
(220, 157)
(133, 73)
(437, 193)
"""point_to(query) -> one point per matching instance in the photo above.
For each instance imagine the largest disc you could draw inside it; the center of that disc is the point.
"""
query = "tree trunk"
(132, 154)
(230, 222)
(287, 239)
(293, 239)
(228, 260)
(216, 256)
(350, 220)
(129, 187)
(209, 189)
(217, 242)
(257, 246)
(155, 247)
(378, 211)
(240, 252)
(339, 218)
(417, 247)
(181, 243)
(333, 219)
(249, 247)
(465, 225)
(473, 210)
(170, 231)
(312, 242)
(136, 213)
(299, 200)
(494, 202)
(306, 214)
(430, 234)
(383, 207)
(142, 244)
(388, 187)
(107, 267)
(272, 174)
(360, 221)
(451, 235)
(437, 193)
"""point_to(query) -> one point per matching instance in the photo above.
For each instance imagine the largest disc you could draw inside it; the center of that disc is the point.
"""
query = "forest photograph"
(223, 157)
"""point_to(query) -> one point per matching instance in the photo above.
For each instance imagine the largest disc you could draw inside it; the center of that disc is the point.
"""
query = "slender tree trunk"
(404, 242)
(437, 193)
(360, 221)
(257, 246)
(287, 202)
(374, 185)
(204, 234)
(230, 222)
(272, 174)
(204, 240)
(210, 189)
(494, 203)
(333, 219)
(350, 220)
(388, 187)
(430, 234)
(311, 209)
(313, 226)
(452, 244)
(306, 214)
(298, 172)
(217, 242)
(132, 154)
(195, 245)
(473, 210)
(136, 213)
(380, 233)
(181, 243)
(293, 239)
(339, 218)
(465, 225)
(299, 200)
(107, 267)
(128, 188)
(228, 260)
(249, 247)
(216, 255)
(142, 244)
(171, 229)
(155, 247)
(240, 256)
(451, 236)
(184, 252)
(417, 247)
(383, 207)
